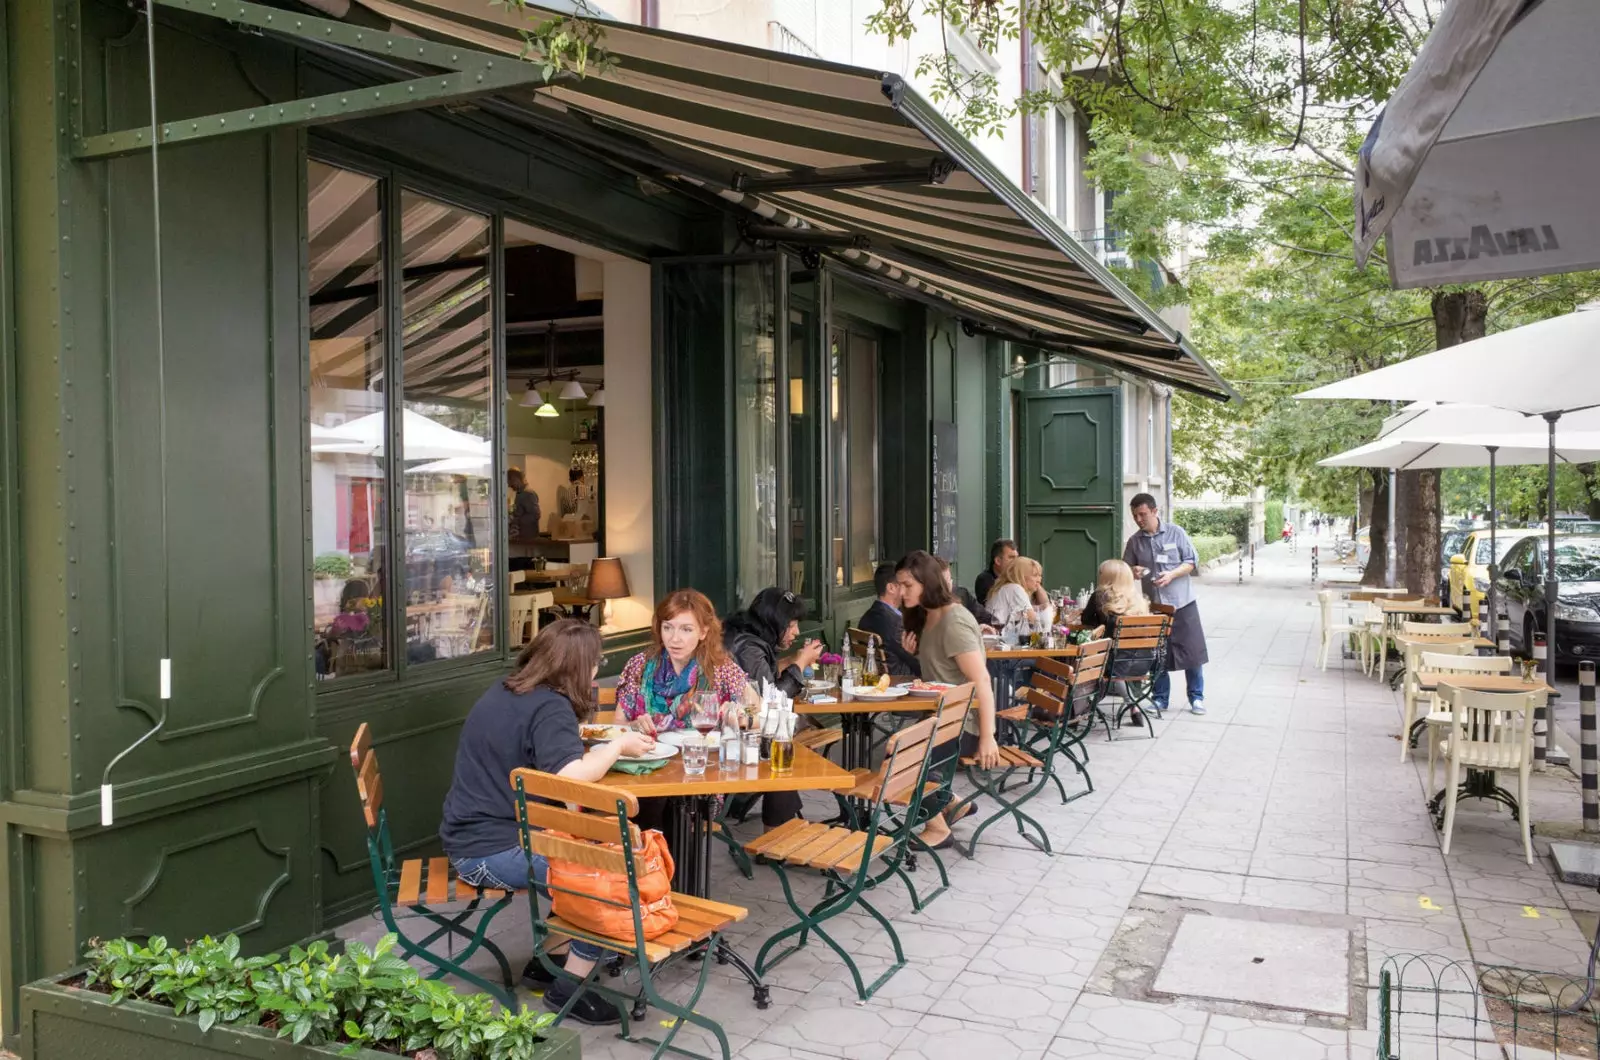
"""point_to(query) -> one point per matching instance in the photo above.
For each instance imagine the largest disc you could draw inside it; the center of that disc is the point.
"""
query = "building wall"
(630, 401)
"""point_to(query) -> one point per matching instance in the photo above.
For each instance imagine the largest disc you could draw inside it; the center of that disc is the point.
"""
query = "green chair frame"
(1064, 696)
(1139, 646)
(395, 884)
(604, 837)
(895, 806)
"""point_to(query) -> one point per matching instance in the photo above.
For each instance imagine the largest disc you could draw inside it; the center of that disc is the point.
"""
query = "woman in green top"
(949, 646)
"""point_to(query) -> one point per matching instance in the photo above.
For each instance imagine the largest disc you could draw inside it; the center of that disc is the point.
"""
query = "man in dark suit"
(883, 618)
(1001, 553)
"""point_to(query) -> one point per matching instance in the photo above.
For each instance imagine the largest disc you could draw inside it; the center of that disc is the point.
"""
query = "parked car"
(1577, 625)
(1469, 580)
(1451, 541)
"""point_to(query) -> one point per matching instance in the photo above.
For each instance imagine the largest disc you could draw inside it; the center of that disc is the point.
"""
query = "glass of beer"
(782, 754)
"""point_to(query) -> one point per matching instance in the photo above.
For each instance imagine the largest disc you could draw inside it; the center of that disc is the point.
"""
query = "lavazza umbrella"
(1539, 371)
(1482, 165)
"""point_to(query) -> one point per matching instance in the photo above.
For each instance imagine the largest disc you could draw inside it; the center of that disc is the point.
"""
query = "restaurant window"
(853, 384)
(755, 452)
(402, 482)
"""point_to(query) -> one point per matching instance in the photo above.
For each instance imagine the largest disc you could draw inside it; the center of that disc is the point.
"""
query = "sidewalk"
(1230, 890)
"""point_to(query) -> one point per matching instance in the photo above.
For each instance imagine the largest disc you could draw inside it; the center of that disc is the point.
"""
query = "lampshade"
(599, 399)
(607, 579)
(530, 397)
(797, 397)
(546, 410)
(573, 391)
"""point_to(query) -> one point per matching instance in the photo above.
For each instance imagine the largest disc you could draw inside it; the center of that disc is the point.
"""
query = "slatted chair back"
(1089, 678)
(1436, 629)
(1444, 662)
(1492, 730)
(1057, 668)
(522, 618)
(1139, 646)
(858, 640)
(369, 786)
(596, 831)
(911, 752)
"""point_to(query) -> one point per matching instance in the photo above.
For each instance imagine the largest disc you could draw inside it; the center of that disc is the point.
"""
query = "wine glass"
(707, 713)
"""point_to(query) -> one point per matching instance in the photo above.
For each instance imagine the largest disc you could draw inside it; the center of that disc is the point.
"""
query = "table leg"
(690, 839)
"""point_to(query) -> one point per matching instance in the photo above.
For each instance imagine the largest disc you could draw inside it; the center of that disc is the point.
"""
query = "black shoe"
(536, 976)
(590, 1007)
(1136, 720)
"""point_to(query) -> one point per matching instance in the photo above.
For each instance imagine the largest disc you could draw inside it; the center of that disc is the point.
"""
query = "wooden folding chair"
(423, 887)
(849, 858)
(596, 832)
(1138, 657)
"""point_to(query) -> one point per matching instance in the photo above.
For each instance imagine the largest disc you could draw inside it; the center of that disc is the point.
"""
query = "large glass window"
(853, 428)
(806, 574)
(755, 380)
(438, 453)
(445, 428)
(348, 436)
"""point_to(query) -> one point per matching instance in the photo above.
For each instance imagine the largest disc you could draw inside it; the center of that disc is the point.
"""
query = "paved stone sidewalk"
(1230, 890)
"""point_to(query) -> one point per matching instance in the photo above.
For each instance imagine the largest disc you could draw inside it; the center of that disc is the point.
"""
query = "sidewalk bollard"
(1502, 641)
(1587, 749)
(1541, 728)
(1241, 565)
(1483, 614)
(1252, 561)
(1314, 564)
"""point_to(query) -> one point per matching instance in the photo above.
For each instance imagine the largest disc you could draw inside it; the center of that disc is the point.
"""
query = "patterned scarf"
(667, 693)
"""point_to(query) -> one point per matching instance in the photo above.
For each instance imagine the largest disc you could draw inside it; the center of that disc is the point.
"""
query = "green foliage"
(1272, 517)
(1208, 548)
(335, 565)
(363, 998)
(567, 44)
(1232, 523)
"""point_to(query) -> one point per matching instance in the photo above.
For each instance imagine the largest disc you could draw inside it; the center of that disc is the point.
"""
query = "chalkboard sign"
(944, 490)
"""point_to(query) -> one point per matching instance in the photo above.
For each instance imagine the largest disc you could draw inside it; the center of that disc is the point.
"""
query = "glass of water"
(694, 756)
(730, 756)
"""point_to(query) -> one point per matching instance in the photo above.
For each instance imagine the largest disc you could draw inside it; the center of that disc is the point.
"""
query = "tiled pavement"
(1287, 802)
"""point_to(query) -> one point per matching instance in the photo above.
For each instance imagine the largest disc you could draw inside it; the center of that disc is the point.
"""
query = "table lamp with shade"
(607, 582)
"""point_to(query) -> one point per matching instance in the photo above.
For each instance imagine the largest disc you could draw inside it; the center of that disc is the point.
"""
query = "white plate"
(819, 686)
(611, 732)
(928, 693)
(874, 696)
(659, 753)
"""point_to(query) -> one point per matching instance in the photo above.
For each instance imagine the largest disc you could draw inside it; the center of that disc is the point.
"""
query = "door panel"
(1070, 480)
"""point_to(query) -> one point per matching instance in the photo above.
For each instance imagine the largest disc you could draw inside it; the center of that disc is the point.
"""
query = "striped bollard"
(1588, 750)
(1252, 561)
(1483, 614)
(1541, 728)
(1314, 564)
(1241, 565)
(1502, 634)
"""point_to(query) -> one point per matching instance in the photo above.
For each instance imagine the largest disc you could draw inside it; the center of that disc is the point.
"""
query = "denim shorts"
(502, 870)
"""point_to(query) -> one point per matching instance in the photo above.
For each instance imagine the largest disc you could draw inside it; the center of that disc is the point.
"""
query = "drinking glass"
(694, 756)
(782, 754)
(730, 755)
(706, 713)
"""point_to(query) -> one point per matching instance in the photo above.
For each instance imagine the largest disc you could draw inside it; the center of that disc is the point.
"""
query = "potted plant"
(152, 1001)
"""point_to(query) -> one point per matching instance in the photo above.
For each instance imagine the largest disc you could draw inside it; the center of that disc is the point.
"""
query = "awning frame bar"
(935, 169)
(472, 73)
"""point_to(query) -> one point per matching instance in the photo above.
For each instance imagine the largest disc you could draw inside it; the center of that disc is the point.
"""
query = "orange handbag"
(601, 902)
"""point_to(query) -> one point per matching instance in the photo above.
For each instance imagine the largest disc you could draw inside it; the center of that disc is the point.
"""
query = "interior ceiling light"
(547, 410)
(531, 397)
(599, 399)
(573, 391)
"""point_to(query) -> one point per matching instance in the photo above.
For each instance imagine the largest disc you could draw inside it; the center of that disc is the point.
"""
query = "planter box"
(61, 1023)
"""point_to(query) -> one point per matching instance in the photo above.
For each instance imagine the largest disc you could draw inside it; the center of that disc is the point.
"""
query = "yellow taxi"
(1469, 570)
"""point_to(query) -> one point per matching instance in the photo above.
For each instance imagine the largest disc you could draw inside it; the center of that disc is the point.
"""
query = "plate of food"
(880, 692)
(815, 685)
(928, 689)
(600, 733)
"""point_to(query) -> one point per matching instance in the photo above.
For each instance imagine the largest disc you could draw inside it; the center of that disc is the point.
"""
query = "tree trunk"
(1458, 316)
(1378, 557)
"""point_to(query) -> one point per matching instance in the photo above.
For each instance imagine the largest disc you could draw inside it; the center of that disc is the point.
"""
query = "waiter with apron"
(1163, 558)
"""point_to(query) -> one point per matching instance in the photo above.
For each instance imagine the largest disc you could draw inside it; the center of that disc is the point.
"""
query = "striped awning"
(719, 119)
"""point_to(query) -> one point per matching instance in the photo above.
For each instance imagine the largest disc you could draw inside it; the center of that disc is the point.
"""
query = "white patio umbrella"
(1541, 370)
(1482, 164)
(425, 439)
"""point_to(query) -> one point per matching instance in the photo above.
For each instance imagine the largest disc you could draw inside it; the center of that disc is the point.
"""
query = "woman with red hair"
(657, 690)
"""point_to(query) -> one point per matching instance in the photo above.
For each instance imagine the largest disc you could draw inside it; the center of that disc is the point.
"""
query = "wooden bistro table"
(855, 721)
(1406, 640)
(1479, 783)
(691, 822)
(1004, 664)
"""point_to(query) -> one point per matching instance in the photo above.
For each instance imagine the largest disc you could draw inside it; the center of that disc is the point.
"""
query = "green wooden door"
(1069, 481)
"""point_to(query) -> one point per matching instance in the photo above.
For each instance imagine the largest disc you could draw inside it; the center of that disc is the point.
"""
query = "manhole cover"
(1291, 966)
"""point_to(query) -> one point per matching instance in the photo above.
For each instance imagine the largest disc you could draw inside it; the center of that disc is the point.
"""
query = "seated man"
(883, 618)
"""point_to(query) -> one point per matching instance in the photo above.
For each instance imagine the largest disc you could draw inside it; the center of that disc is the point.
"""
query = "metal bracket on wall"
(474, 73)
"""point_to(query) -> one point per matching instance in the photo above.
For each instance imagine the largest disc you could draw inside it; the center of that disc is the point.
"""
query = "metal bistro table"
(1393, 611)
(691, 820)
(855, 721)
(1479, 783)
(1004, 664)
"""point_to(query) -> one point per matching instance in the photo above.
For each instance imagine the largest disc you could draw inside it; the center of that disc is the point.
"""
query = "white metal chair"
(1490, 731)
(1387, 626)
(1438, 716)
(523, 612)
(1437, 629)
(1336, 628)
(1417, 662)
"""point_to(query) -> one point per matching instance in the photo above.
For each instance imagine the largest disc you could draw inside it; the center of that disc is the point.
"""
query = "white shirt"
(1012, 598)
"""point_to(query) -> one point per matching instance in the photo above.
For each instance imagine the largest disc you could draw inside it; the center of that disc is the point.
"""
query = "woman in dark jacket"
(754, 637)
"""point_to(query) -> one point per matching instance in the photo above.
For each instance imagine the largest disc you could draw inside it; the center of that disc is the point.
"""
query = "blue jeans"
(500, 870)
(1194, 679)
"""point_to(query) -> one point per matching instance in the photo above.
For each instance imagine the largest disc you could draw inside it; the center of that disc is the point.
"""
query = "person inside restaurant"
(657, 689)
(1116, 593)
(1001, 553)
(949, 646)
(569, 496)
(1020, 591)
(754, 637)
(883, 618)
(973, 605)
(530, 721)
(523, 534)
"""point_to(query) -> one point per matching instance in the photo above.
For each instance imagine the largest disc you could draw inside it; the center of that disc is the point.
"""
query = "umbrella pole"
(1552, 588)
(1388, 546)
(1494, 567)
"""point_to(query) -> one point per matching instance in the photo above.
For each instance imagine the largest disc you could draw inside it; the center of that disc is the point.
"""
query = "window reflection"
(348, 428)
(447, 380)
(755, 435)
(853, 434)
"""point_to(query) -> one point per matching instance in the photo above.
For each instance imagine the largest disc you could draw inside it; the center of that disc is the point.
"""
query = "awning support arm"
(935, 169)
(472, 73)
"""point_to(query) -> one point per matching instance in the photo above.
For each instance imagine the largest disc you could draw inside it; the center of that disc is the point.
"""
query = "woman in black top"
(530, 721)
(754, 637)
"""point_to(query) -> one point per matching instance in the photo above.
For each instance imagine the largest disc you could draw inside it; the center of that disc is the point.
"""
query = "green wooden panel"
(971, 374)
(1069, 478)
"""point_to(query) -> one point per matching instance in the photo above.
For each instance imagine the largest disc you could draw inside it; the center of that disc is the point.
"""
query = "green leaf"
(208, 1019)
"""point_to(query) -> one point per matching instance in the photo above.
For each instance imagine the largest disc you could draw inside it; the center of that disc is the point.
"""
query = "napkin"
(638, 768)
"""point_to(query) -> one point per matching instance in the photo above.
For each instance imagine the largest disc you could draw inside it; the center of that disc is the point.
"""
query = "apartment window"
(402, 404)
(853, 427)
(1130, 429)
(1063, 170)
(1150, 437)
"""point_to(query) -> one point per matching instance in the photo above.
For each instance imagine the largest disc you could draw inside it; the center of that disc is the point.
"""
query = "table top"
(1428, 682)
(1066, 651)
(1360, 594)
(1423, 640)
(565, 597)
(1409, 607)
(851, 705)
(811, 772)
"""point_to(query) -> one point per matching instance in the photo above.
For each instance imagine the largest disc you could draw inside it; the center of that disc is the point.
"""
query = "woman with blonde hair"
(1020, 588)
(1116, 593)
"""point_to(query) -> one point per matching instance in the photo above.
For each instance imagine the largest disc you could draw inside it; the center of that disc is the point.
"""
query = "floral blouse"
(727, 681)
